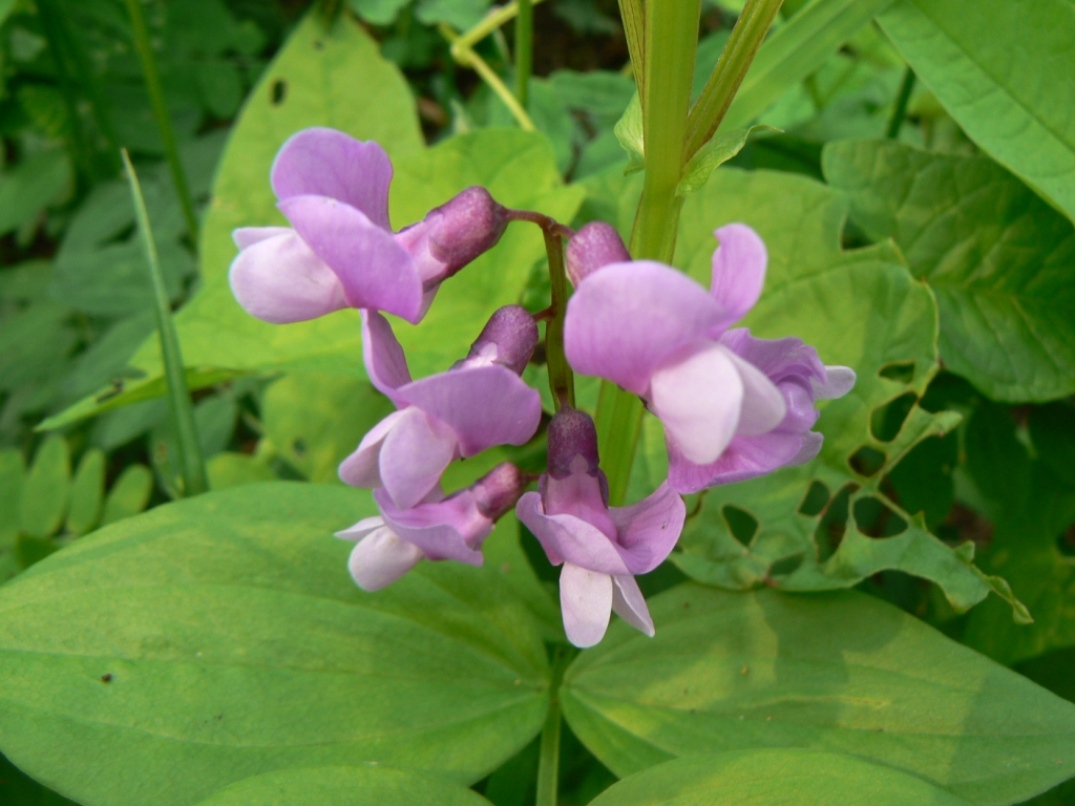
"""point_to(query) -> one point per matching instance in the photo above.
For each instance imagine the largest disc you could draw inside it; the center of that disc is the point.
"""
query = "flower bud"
(571, 434)
(595, 245)
(465, 226)
(497, 491)
(508, 339)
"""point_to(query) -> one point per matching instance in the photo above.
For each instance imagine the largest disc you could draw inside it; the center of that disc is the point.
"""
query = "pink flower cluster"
(733, 407)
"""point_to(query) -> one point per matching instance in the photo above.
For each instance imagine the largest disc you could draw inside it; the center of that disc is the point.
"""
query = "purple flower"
(437, 528)
(342, 252)
(601, 548)
(479, 403)
(733, 407)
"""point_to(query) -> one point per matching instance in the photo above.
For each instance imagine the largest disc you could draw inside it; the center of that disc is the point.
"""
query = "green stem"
(524, 50)
(548, 777)
(160, 114)
(489, 23)
(895, 123)
(634, 27)
(467, 57)
(191, 463)
(735, 60)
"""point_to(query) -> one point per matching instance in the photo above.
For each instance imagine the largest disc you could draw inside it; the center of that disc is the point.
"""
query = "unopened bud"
(571, 434)
(508, 338)
(595, 245)
(498, 490)
(465, 227)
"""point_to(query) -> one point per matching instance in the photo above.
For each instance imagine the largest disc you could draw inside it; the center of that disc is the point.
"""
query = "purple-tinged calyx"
(601, 548)
(474, 406)
(437, 528)
(594, 246)
(508, 338)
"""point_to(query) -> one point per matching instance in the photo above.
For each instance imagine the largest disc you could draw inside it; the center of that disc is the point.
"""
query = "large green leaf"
(764, 777)
(208, 641)
(344, 786)
(998, 259)
(840, 672)
(1003, 71)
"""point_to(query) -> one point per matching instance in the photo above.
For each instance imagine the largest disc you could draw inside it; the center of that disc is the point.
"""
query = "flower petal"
(698, 399)
(626, 319)
(838, 382)
(630, 605)
(648, 530)
(386, 365)
(414, 455)
(326, 162)
(586, 602)
(780, 359)
(763, 405)
(374, 270)
(380, 559)
(451, 529)
(248, 236)
(738, 270)
(745, 458)
(361, 529)
(279, 279)
(566, 538)
(484, 406)
(363, 467)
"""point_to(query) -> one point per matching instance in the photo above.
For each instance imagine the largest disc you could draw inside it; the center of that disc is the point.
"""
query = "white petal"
(586, 602)
(381, 558)
(763, 404)
(630, 605)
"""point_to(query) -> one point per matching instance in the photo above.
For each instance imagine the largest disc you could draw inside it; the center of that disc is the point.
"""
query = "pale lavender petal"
(381, 558)
(698, 399)
(738, 270)
(624, 321)
(386, 365)
(566, 538)
(484, 406)
(452, 529)
(326, 162)
(579, 494)
(363, 467)
(838, 382)
(801, 414)
(280, 280)
(778, 358)
(763, 404)
(629, 604)
(248, 236)
(362, 528)
(414, 455)
(586, 603)
(374, 270)
(745, 458)
(811, 447)
(648, 530)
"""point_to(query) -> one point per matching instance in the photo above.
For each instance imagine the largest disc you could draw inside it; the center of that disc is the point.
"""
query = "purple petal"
(698, 399)
(738, 270)
(630, 605)
(811, 447)
(280, 280)
(414, 455)
(248, 236)
(624, 321)
(566, 538)
(381, 558)
(780, 359)
(484, 406)
(581, 495)
(363, 467)
(586, 602)
(386, 365)
(444, 530)
(364, 527)
(745, 458)
(326, 162)
(648, 530)
(838, 382)
(374, 270)
(763, 404)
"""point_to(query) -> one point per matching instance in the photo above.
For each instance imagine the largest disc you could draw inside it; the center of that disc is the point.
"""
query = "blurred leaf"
(995, 458)
(129, 495)
(12, 479)
(46, 490)
(1052, 430)
(721, 148)
(460, 14)
(34, 344)
(841, 673)
(377, 12)
(220, 638)
(1002, 72)
(19, 789)
(228, 469)
(343, 786)
(998, 259)
(31, 186)
(87, 493)
(773, 775)
(629, 132)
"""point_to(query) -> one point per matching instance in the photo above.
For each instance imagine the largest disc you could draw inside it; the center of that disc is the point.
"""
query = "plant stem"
(735, 60)
(160, 114)
(467, 57)
(899, 112)
(524, 50)
(548, 777)
(191, 462)
(634, 27)
(492, 21)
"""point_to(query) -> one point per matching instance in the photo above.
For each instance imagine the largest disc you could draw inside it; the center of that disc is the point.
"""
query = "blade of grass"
(524, 50)
(191, 462)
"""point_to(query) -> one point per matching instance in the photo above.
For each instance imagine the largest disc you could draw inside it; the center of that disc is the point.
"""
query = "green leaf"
(998, 259)
(46, 489)
(1003, 73)
(230, 469)
(763, 777)
(344, 786)
(461, 14)
(377, 12)
(129, 495)
(87, 492)
(628, 130)
(12, 477)
(221, 637)
(841, 673)
(795, 51)
(721, 148)
(31, 186)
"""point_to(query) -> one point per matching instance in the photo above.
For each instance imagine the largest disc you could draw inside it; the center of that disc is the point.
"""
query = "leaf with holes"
(997, 258)
(859, 308)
